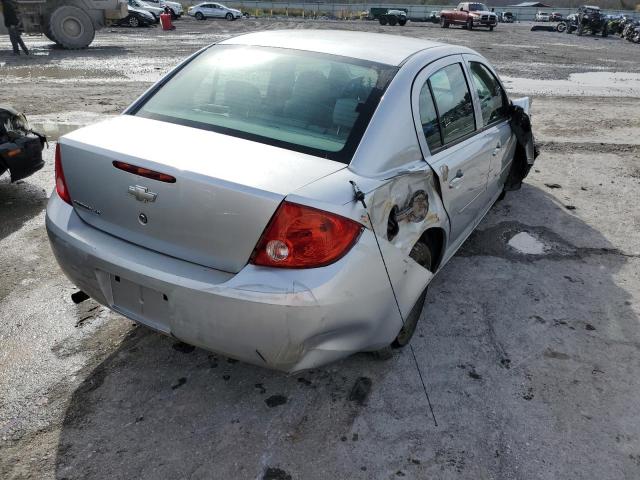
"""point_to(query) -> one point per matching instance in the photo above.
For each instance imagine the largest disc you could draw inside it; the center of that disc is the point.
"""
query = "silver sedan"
(286, 197)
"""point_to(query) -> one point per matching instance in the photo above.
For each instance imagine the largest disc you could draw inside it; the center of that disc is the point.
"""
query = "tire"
(444, 23)
(421, 253)
(71, 27)
(580, 30)
(383, 20)
(133, 21)
(561, 27)
(491, 29)
(199, 16)
(229, 17)
(605, 31)
(393, 21)
(402, 23)
(470, 24)
(47, 32)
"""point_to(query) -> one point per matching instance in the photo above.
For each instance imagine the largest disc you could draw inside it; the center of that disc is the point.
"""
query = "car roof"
(374, 47)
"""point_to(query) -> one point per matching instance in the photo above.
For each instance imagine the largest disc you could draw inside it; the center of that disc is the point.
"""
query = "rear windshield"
(313, 103)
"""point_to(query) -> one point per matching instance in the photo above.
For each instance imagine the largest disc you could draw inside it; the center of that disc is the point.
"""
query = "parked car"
(506, 17)
(555, 17)
(434, 16)
(137, 17)
(139, 4)
(470, 15)
(261, 234)
(393, 17)
(213, 10)
(175, 8)
(543, 17)
(20, 147)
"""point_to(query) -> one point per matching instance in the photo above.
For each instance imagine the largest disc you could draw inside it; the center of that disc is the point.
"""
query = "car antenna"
(358, 196)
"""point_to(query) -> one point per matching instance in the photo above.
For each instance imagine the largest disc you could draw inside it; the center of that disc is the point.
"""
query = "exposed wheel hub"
(72, 27)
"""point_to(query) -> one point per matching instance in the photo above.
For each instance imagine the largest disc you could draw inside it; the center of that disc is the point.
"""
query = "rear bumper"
(25, 163)
(287, 320)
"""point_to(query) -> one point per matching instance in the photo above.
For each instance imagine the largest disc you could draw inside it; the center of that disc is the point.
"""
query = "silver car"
(213, 10)
(290, 206)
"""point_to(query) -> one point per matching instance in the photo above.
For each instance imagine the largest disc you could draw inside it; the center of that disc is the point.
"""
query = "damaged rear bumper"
(288, 320)
(21, 157)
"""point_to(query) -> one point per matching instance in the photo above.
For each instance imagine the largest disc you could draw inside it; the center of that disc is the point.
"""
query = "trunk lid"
(226, 188)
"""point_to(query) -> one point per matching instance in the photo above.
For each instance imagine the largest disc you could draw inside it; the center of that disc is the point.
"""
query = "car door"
(216, 10)
(445, 118)
(493, 110)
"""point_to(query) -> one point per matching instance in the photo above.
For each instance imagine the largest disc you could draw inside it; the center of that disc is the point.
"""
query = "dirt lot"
(532, 362)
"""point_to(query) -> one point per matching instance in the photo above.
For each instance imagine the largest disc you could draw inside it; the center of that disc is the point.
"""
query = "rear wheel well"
(435, 239)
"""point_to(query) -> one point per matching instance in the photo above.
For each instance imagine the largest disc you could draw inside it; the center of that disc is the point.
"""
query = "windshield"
(478, 7)
(313, 103)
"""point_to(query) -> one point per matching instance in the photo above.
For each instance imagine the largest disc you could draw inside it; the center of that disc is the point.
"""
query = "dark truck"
(469, 15)
(389, 16)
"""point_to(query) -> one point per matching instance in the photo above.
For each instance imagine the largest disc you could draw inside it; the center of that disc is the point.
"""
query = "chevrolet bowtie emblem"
(142, 194)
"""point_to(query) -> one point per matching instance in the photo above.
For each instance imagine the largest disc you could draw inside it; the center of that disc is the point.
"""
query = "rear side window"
(453, 105)
(493, 100)
(313, 103)
(429, 118)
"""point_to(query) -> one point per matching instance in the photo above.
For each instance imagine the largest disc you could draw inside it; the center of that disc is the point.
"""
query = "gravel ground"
(531, 360)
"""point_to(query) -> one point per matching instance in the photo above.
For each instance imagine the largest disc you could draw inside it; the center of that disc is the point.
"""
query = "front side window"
(314, 103)
(493, 100)
(453, 103)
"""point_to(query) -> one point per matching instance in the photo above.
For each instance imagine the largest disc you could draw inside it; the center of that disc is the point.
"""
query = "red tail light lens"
(61, 183)
(304, 237)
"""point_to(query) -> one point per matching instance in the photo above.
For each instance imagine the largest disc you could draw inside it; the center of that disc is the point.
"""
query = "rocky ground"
(529, 342)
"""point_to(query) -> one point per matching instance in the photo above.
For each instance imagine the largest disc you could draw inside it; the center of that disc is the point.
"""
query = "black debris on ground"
(360, 390)
(275, 400)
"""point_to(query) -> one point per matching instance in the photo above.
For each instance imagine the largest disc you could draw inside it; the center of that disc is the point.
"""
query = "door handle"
(497, 149)
(457, 179)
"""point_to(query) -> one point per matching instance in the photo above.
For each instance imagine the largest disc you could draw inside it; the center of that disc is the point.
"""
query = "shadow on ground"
(19, 202)
(530, 361)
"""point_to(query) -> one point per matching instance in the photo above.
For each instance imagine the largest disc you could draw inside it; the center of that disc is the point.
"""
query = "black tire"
(229, 17)
(199, 16)
(393, 21)
(47, 32)
(402, 23)
(71, 27)
(491, 28)
(605, 31)
(383, 20)
(133, 21)
(421, 253)
(470, 24)
(561, 27)
(444, 23)
(580, 29)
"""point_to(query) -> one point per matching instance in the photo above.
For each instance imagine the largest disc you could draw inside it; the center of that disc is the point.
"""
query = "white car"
(214, 10)
(155, 11)
(543, 17)
(175, 7)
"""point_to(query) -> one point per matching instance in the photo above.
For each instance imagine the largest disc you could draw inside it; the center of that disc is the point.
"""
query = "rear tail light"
(304, 237)
(61, 183)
